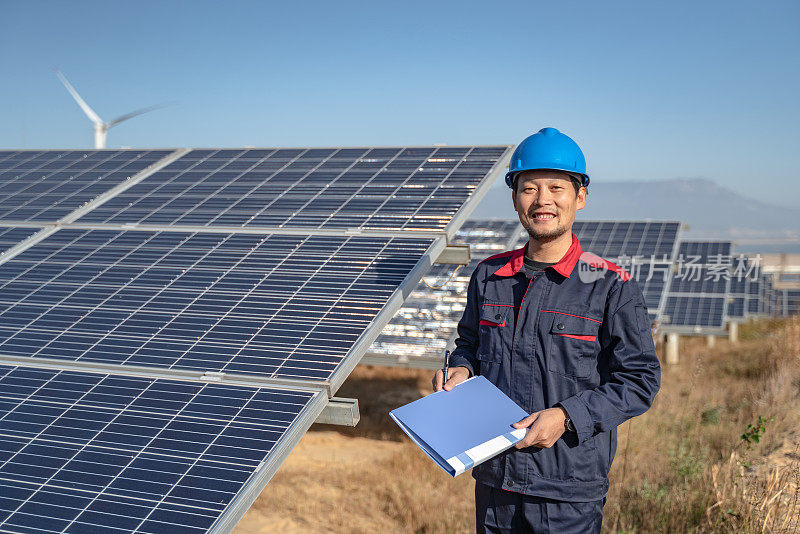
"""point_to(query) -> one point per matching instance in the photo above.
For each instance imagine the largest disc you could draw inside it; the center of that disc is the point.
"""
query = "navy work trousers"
(505, 512)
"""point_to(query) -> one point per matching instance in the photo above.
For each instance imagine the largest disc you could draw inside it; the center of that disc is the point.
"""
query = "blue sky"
(649, 90)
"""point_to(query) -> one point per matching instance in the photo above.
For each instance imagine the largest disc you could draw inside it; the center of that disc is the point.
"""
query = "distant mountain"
(711, 211)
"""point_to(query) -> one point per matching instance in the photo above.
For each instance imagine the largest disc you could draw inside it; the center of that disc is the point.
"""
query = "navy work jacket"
(580, 340)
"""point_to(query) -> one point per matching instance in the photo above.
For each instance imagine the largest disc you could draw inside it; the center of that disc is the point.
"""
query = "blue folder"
(463, 427)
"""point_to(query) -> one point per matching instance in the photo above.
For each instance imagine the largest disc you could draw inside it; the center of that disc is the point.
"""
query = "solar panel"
(699, 312)
(744, 294)
(646, 249)
(617, 239)
(10, 236)
(46, 185)
(704, 252)
(788, 302)
(87, 452)
(277, 306)
(698, 296)
(652, 280)
(377, 188)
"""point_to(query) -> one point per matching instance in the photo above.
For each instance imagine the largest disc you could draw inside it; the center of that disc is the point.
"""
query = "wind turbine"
(100, 128)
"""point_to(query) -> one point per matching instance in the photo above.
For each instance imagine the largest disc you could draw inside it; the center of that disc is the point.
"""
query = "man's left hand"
(544, 428)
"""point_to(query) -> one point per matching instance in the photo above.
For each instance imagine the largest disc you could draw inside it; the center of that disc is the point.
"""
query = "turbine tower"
(100, 128)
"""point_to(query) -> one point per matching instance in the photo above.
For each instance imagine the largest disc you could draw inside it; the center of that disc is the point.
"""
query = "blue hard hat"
(548, 149)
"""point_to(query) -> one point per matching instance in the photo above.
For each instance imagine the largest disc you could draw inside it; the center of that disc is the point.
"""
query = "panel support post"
(733, 332)
(711, 340)
(672, 349)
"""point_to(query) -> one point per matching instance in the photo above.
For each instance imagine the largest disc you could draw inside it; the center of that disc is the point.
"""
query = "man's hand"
(455, 375)
(544, 428)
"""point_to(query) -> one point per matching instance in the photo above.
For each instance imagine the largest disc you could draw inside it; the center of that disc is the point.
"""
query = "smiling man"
(566, 335)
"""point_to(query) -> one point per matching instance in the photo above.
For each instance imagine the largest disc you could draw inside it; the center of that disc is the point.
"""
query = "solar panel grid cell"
(91, 452)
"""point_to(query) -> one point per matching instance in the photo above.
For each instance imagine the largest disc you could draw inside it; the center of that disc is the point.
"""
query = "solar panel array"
(698, 296)
(646, 249)
(259, 289)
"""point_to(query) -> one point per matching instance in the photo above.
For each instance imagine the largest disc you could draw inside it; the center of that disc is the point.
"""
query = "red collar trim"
(516, 257)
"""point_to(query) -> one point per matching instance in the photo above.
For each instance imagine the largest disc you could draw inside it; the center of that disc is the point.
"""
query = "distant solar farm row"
(690, 287)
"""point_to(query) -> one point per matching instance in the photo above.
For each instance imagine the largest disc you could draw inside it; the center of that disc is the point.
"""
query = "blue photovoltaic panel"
(12, 236)
(652, 279)
(103, 453)
(646, 249)
(46, 185)
(756, 296)
(699, 290)
(704, 252)
(701, 312)
(789, 301)
(615, 239)
(270, 305)
(745, 288)
(736, 307)
(701, 280)
(389, 188)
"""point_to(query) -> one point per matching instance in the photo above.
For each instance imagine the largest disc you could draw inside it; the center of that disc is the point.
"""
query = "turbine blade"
(84, 106)
(133, 114)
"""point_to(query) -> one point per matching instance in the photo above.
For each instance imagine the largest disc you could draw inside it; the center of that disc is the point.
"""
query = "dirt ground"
(681, 467)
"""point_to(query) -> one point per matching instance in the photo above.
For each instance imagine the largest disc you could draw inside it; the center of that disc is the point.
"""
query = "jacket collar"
(564, 266)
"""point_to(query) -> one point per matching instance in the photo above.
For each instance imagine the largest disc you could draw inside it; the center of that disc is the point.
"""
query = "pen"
(446, 365)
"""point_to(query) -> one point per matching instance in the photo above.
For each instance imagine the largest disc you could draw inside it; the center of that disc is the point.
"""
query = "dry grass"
(682, 467)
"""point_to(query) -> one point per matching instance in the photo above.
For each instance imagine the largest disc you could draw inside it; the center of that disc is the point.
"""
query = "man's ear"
(582, 198)
(514, 198)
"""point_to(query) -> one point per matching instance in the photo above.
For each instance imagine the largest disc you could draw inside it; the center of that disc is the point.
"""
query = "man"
(566, 335)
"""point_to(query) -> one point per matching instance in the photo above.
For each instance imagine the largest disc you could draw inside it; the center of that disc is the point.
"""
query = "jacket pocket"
(493, 325)
(573, 344)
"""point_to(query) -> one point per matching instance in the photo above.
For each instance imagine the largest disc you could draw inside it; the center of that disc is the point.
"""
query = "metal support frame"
(407, 362)
(454, 255)
(340, 411)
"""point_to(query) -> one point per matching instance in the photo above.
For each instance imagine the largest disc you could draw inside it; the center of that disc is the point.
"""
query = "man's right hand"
(455, 375)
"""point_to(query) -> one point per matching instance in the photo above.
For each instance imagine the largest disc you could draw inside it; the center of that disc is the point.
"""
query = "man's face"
(546, 203)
